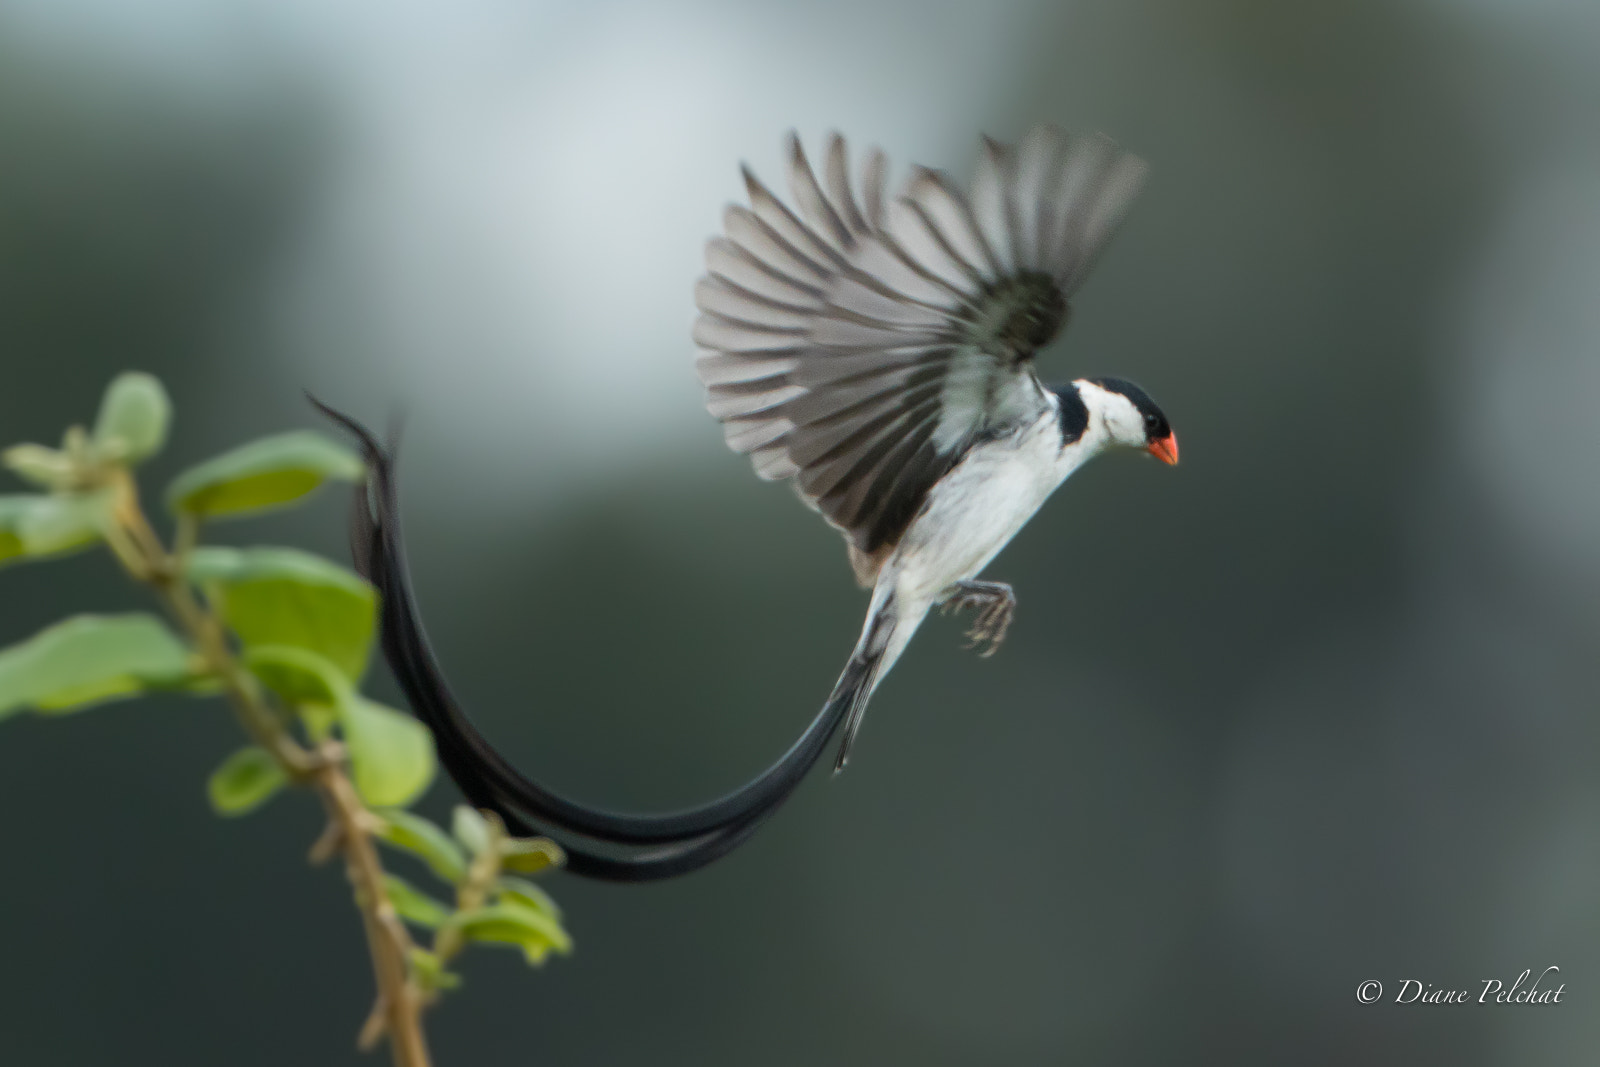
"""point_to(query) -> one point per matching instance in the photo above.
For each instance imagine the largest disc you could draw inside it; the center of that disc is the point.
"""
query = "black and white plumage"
(880, 354)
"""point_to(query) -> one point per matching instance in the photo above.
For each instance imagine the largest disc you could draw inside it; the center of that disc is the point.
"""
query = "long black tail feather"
(643, 847)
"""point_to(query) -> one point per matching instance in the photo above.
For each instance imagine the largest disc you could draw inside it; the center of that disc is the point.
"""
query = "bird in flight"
(879, 354)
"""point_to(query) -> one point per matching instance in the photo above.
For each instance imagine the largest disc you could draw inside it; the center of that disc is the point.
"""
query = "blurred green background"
(1318, 706)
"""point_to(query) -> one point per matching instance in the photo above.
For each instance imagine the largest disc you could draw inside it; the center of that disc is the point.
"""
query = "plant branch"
(473, 893)
(398, 1011)
(399, 1003)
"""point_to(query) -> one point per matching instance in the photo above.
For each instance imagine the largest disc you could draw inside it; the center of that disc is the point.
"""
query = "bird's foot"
(995, 604)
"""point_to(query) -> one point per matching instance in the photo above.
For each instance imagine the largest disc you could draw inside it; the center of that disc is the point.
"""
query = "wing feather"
(846, 334)
(786, 225)
(718, 296)
(989, 204)
(880, 481)
(915, 237)
(710, 331)
(1093, 208)
(718, 369)
(813, 203)
(747, 435)
(949, 213)
(838, 178)
(1035, 166)
(874, 174)
(773, 464)
(844, 480)
(821, 372)
(733, 264)
(864, 297)
(749, 231)
(880, 263)
(839, 399)
(852, 446)
(740, 404)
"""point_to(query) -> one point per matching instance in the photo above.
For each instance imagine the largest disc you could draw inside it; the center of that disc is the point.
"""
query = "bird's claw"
(990, 627)
(995, 603)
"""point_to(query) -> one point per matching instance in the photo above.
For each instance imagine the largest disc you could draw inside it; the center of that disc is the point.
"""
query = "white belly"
(978, 507)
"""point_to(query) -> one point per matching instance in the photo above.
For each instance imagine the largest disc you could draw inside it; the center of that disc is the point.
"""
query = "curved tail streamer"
(599, 844)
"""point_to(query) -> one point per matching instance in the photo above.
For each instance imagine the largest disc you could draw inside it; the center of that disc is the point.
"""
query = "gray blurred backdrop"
(1317, 706)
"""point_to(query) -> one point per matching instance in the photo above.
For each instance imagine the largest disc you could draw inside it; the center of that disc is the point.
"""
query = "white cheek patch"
(1126, 424)
(1122, 422)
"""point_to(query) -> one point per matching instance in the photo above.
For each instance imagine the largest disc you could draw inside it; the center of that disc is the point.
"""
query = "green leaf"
(263, 474)
(134, 415)
(391, 754)
(42, 466)
(90, 659)
(57, 524)
(282, 596)
(245, 781)
(297, 675)
(428, 970)
(426, 841)
(521, 891)
(471, 829)
(39, 525)
(530, 855)
(199, 685)
(413, 904)
(536, 933)
(319, 719)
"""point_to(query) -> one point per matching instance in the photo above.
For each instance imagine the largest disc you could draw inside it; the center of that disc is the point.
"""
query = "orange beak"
(1165, 449)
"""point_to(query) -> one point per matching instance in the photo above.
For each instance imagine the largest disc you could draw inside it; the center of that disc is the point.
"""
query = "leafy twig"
(284, 636)
(399, 1003)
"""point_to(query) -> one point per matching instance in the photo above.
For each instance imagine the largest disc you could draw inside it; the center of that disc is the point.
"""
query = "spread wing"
(859, 346)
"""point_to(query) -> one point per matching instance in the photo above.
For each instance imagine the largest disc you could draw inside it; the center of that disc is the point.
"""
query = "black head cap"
(1155, 422)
